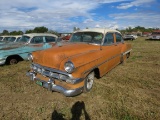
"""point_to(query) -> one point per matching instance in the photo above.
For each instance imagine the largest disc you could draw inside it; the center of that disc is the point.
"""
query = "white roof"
(101, 30)
(40, 34)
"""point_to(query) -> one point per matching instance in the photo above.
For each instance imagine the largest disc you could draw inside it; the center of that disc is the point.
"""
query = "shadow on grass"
(76, 111)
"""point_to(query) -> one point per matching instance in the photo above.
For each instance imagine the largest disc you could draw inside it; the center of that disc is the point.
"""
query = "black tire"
(127, 55)
(88, 83)
(12, 61)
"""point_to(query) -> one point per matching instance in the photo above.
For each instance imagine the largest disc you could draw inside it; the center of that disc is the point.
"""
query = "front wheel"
(88, 83)
(12, 61)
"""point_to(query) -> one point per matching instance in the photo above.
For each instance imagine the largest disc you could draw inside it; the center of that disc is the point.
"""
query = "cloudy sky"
(63, 15)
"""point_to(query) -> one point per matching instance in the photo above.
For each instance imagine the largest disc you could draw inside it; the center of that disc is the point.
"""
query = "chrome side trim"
(101, 63)
(127, 52)
(124, 53)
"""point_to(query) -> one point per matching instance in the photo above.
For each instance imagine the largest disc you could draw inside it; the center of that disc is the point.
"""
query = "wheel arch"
(18, 57)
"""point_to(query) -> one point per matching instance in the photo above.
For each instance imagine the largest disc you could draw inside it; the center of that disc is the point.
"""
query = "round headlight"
(69, 67)
(30, 57)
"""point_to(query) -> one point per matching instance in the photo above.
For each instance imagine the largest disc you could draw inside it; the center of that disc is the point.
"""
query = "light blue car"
(13, 53)
(7, 40)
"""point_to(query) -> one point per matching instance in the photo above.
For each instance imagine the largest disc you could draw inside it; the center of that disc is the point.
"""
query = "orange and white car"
(70, 68)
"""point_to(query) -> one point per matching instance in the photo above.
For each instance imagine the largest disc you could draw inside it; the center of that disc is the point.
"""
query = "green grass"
(128, 92)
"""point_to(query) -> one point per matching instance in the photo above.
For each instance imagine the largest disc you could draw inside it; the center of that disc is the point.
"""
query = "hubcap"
(90, 79)
(13, 61)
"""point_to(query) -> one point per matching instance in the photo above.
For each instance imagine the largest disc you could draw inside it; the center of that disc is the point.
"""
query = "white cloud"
(137, 19)
(134, 3)
(58, 14)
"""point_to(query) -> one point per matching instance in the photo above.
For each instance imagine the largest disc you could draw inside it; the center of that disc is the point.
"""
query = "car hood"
(53, 57)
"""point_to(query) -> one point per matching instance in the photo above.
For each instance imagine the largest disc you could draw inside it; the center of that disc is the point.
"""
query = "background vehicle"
(130, 37)
(13, 53)
(155, 35)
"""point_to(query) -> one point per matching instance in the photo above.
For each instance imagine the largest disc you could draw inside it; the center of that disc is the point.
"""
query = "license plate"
(39, 83)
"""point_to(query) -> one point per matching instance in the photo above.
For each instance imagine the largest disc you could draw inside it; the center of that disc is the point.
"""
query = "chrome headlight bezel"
(30, 57)
(69, 67)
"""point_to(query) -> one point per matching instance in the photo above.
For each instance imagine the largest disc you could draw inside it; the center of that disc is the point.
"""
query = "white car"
(10, 38)
(155, 35)
(130, 37)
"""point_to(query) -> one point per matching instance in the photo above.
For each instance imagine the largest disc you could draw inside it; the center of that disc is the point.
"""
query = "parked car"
(67, 37)
(13, 53)
(155, 35)
(3, 39)
(130, 37)
(9, 39)
(71, 67)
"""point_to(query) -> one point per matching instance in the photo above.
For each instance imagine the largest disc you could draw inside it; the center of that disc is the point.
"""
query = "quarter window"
(37, 39)
(109, 39)
(50, 39)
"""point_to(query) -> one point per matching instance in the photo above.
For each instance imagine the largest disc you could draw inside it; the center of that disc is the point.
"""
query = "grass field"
(128, 92)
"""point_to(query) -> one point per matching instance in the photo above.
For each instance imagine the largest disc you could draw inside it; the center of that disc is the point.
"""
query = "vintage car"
(130, 37)
(155, 35)
(70, 68)
(13, 53)
(9, 40)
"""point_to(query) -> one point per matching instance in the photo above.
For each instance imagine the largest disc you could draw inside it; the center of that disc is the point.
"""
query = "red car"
(66, 37)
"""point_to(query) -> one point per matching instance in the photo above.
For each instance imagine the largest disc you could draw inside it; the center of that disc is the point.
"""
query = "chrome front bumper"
(2, 61)
(53, 87)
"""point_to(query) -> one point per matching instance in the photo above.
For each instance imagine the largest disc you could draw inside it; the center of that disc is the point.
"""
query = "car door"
(110, 52)
(119, 43)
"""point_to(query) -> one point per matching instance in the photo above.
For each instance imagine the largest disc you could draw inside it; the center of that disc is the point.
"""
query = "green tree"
(40, 29)
(5, 32)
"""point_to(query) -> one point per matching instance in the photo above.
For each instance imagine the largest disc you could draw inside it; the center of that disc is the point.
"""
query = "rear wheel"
(88, 83)
(128, 55)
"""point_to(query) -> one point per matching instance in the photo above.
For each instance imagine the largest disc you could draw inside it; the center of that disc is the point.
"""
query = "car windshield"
(24, 39)
(88, 37)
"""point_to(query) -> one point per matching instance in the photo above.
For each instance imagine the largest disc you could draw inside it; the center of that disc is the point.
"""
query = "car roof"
(11, 36)
(101, 30)
(40, 34)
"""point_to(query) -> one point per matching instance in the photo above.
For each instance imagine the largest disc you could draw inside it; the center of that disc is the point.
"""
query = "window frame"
(122, 40)
(105, 37)
(37, 43)
(50, 41)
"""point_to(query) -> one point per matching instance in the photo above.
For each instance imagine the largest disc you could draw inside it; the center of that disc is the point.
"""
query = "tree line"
(35, 30)
(46, 30)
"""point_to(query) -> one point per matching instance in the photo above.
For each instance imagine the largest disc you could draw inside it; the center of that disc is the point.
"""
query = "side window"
(37, 39)
(109, 39)
(119, 38)
(50, 39)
